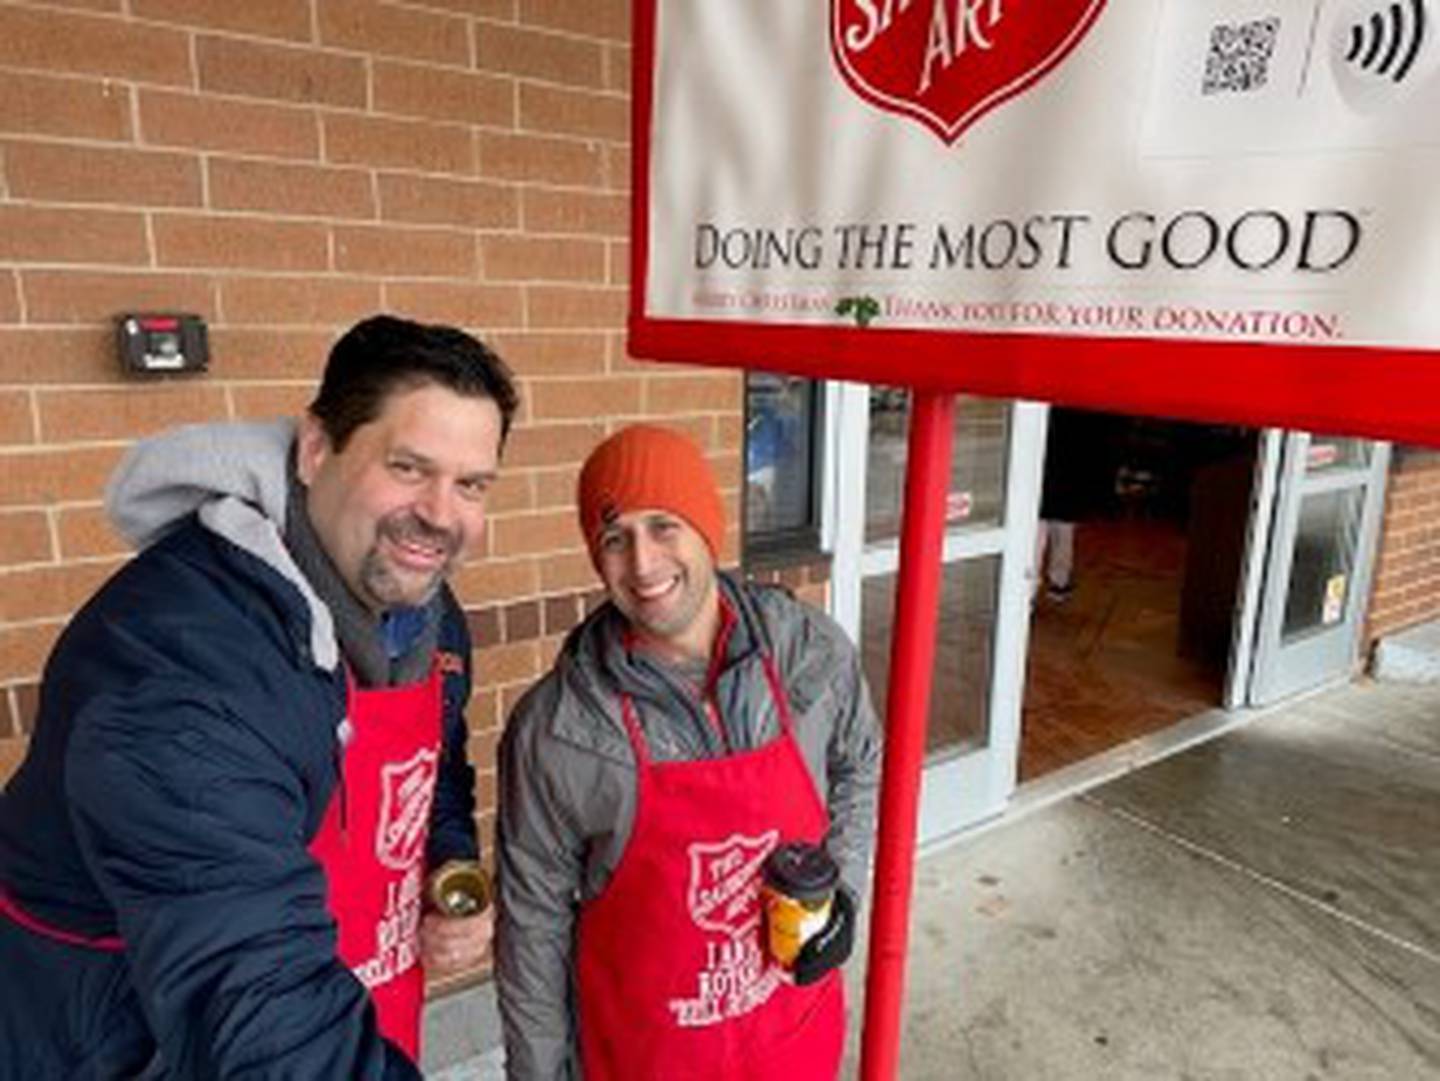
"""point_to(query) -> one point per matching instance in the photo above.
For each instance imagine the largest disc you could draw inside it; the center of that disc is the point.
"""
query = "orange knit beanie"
(643, 468)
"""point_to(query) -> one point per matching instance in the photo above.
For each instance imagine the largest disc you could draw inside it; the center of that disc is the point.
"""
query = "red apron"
(672, 980)
(372, 846)
(386, 789)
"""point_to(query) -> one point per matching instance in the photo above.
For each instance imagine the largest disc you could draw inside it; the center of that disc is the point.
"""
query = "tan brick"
(729, 432)
(592, 18)
(30, 357)
(434, 93)
(17, 420)
(481, 746)
(526, 258)
(23, 649)
(619, 63)
(70, 416)
(569, 570)
(81, 296)
(300, 301)
(168, 118)
(24, 537)
(548, 211)
(381, 28)
(559, 307)
(32, 234)
(268, 401)
(440, 201)
(694, 393)
(263, 18)
(89, 5)
(552, 353)
(618, 161)
(537, 55)
(482, 713)
(60, 173)
(572, 399)
(485, 779)
(557, 111)
(699, 429)
(79, 108)
(488, 581)
(434, 253)
(552, 444)
(619, 262)
(508, 663)
(93, 45)
(251, 243)
(489, 9)
(291, 189)
(540, 159)
(480, 307)
(622, 361)
(398, 144)
(86, 531)
(35, 478)
(513, 494)
(556, 488)
(280, 73)
(9, 296)
(272, 354)
(49, 592)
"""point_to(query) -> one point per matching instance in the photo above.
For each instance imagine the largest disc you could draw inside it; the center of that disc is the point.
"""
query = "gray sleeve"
(539, 859)
(853, 771)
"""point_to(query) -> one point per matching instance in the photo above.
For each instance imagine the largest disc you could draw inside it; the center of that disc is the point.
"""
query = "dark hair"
(383, 354)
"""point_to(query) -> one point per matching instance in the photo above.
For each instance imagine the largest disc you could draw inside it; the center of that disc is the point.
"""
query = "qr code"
(1239, 57)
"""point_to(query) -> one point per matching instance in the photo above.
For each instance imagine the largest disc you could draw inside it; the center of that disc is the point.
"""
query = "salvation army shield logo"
(406, 791)
(949, 62)
(724, 891)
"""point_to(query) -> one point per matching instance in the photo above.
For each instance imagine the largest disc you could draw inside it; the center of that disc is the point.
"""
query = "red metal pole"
(912, 662)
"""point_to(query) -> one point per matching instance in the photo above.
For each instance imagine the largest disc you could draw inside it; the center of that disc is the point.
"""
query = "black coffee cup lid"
(802, 871)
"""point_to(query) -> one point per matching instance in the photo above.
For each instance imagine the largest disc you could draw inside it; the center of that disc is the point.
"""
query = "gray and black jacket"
(185, 753)
(568, 782)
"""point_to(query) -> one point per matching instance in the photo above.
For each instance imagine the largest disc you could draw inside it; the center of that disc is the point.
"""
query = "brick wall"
(283, 167)
(1407, 573)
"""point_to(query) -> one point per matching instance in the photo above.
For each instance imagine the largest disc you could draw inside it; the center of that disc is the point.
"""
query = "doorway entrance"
(1213, 568)
(1137, 636)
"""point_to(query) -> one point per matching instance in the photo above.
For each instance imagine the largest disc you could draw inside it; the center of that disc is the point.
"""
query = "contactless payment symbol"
(947, 63)
(1379, 52)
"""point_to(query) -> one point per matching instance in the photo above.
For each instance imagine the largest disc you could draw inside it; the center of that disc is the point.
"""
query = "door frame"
(961, 788)
(1263, 667)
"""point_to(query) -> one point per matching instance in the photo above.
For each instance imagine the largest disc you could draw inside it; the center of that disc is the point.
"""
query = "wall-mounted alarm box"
(158, 343)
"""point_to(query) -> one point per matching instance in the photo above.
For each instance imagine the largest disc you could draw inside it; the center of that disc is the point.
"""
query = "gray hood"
(235, 477)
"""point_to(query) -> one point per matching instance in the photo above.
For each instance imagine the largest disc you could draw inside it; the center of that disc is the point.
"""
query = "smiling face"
(405, 499)
(661, 575)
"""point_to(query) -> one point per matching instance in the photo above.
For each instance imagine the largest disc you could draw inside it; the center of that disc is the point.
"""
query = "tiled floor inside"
(1104, 665)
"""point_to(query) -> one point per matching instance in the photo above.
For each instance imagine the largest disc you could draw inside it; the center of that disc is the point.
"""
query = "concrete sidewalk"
(1262, 906)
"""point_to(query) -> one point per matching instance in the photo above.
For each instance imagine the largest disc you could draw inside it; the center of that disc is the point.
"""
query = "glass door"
(1328, 499)
(972, 736)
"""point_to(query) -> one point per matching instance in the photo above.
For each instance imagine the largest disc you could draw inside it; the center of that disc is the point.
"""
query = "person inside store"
(699, 766)
(1078, 475)
(248, 770)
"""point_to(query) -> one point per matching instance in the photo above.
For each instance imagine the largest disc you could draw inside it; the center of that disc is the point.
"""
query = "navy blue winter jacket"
(184, 756)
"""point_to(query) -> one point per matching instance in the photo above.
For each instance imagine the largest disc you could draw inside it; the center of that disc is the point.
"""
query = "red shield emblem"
(949, 62)
(724, 893)
(406, 791)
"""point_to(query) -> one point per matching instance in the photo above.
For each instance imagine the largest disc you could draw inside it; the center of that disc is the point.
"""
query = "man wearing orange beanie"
(690, 728)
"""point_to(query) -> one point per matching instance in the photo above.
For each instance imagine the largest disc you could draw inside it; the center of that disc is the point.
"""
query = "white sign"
(1190, 171)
